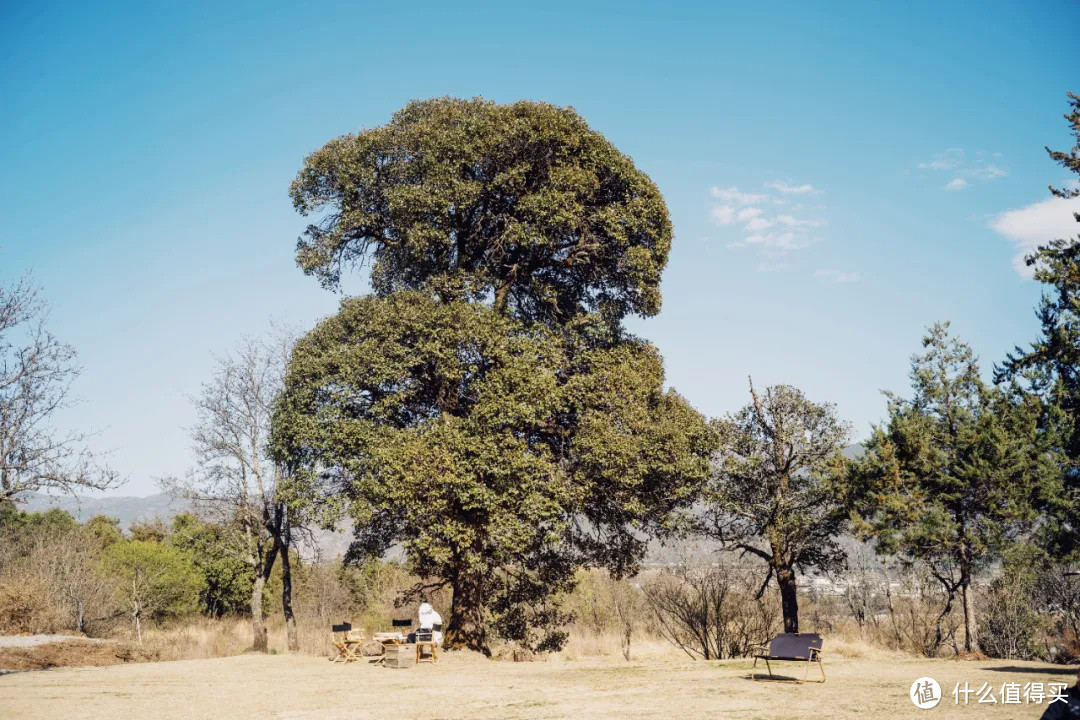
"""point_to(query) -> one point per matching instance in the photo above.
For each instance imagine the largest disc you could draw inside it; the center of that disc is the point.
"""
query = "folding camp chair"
(341, 638)
(799, 647)
(425, 638)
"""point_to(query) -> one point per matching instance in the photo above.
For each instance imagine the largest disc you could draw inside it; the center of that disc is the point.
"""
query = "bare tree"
(235, 480)
(775, 492)
(36, 372)
(710, 612)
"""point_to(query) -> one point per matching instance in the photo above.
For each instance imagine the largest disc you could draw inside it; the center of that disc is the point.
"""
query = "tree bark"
(785, 578)
(286, 588)
(260, 642)
(265, 564)
(971, 627)
(464, 628)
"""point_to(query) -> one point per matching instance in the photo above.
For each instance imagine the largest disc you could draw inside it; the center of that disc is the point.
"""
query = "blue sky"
(839, 175)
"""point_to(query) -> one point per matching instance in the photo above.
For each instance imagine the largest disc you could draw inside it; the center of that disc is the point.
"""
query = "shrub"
(712, 612)
(1011, 626)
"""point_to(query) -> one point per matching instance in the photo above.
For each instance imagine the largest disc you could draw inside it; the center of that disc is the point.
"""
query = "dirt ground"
(72, 651)
(463, 686)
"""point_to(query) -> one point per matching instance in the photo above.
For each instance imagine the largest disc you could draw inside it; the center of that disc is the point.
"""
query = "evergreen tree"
(778, 490)
(954, 475)
(1051, 366)
(486, 409)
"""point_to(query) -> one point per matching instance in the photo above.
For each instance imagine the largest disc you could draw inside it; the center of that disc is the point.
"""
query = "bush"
(1011, 625)
(712, 612)
(602, 605)
(25, 607)
(154, 580)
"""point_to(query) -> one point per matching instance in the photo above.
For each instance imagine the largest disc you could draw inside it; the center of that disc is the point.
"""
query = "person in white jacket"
(429, 619)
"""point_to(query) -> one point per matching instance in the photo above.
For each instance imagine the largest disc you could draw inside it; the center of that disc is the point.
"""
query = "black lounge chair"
(798, 647)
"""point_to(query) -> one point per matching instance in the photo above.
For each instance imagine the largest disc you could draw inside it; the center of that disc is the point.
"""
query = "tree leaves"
(522, 204)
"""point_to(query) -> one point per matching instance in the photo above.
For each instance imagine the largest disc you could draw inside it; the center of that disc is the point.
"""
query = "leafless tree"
(235, 480)
(710, 612)
(36, 372)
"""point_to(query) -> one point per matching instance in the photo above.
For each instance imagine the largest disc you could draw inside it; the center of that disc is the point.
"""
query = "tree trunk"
(264, 564)
(136, 606)
(785, 578)
(286, 589)
(971, 627)
(260, 643)
(465, 628)
(939, 637)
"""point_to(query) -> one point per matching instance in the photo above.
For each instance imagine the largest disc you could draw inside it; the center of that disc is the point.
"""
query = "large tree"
(1051, 365)
(778, 490)
(36, 372)
(522, 233)
(500, 457)
(953, 476)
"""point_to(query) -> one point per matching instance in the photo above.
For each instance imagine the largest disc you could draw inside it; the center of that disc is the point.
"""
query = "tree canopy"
(486, 408)
(1051, 365)
(956, 472)
(778, 491)
(522, 205)
(500, 457)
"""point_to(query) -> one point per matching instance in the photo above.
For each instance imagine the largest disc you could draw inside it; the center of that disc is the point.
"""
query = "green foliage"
(151, 530)
(105, 529)
(959, 468)
(486, 409)
(467, 199)
(226, 578)
(955, 471)
(53, 521)
(1069, 160)
(500, 456)
(155, 580)
(1051, 366)
(779, 491)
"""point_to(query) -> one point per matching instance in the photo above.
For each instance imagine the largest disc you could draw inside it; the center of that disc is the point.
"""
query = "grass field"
(467, 686)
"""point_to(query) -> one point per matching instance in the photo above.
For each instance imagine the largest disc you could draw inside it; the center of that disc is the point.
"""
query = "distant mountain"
(854, 452)
(126, 509)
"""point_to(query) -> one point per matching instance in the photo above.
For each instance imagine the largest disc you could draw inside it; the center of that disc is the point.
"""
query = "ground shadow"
(1061, 670)
(786, 679)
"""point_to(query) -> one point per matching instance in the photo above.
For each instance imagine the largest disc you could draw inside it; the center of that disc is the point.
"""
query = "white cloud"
(771, 237)
(722, 214)
(735, 196)
(987, 172)
(944, 160)
(964, 170)
(775, 241)
(836, 276)
(792, 221)
(791, 189)
(757, 223)
(1037, 224)
(747, 214)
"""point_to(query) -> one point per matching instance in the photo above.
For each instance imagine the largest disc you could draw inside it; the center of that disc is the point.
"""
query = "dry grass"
(466, 686)
(202, 637)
